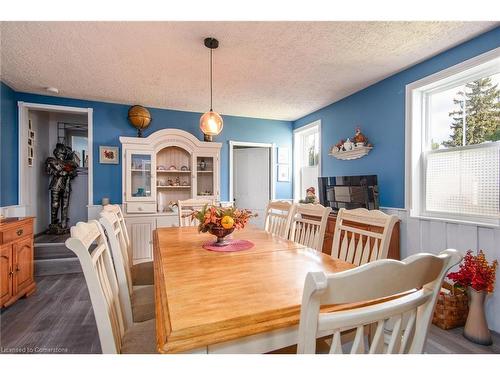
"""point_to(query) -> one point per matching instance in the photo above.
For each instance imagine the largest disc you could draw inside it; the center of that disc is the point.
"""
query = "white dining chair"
(308, 224)
(137, 301)
(417, 280)
(142, 273)
(359, 246)
(115, 334)
(277, 220)
(186, 207)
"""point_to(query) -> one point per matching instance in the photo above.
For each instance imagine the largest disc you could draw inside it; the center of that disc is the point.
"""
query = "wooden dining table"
(230, 302)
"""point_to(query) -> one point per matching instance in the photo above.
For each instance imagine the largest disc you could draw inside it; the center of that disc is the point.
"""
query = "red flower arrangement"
(476, 272)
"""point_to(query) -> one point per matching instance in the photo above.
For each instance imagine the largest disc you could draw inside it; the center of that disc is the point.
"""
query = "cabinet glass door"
(205, 176)
(140, 176)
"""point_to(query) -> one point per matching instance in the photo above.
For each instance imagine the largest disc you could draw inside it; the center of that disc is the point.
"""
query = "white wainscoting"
(424, 235)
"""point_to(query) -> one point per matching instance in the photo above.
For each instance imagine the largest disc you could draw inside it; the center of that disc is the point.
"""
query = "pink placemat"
(234, 245)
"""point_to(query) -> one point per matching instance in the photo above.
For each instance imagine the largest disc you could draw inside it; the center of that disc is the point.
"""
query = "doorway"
(42, 127)
(251, 177)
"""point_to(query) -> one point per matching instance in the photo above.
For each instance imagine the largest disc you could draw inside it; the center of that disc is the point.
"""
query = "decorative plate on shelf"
(172, 168)
(184, 168)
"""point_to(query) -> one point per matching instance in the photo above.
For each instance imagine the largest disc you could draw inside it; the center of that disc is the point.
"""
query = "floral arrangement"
(211, 217)
(476, 272)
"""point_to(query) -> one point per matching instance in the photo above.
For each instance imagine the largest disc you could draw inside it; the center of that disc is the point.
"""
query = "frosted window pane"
(464, 181)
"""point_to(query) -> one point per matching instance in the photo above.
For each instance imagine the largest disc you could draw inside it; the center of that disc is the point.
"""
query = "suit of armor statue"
(63, 169)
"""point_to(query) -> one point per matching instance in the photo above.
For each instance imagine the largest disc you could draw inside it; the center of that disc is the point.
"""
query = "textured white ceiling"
(275, 70)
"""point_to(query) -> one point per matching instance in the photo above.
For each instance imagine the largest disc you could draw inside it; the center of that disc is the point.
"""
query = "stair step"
(46, 267)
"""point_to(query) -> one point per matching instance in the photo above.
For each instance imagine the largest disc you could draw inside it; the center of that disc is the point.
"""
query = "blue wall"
(8, 147)
(110, 122)
(380, 112)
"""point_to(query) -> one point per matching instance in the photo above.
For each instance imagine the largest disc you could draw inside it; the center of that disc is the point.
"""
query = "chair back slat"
(352, 224)
(111, 223)
(89, 243)
(277, 219)
(115, 208)
(405, 308)
(186, 208)
(308, 224)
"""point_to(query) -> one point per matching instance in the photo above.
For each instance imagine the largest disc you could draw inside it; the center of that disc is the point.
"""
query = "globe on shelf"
(139, 117)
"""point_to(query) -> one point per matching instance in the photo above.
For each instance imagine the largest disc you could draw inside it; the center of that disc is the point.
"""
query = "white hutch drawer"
(141, 207)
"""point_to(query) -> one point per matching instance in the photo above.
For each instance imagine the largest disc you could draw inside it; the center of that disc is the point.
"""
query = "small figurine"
(359, 138)
(348, 145)
(177, 181)
(310, 196)
(203, 165)
(170, 182)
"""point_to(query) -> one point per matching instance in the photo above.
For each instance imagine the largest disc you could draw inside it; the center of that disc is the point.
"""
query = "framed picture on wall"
(108, 155)
(283, 172)
(283, 155)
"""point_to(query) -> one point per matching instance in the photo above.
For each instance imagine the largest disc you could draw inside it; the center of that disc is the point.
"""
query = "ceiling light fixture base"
(211, 43)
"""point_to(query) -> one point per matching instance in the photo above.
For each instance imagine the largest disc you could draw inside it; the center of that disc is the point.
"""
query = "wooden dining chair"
(142, 273)
(186, 207)
(115, 335)
(137, 301)
(308, 224)
(277, 221)
(356, 244)
(417, 280)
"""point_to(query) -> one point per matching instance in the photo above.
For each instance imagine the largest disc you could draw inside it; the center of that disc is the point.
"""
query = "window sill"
(486, 224)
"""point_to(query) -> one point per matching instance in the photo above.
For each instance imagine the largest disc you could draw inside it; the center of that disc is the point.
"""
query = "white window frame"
(416, 131)
(296, 155)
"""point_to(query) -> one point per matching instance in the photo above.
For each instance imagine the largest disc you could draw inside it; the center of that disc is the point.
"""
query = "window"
(306, 158)
(453, 142)
(79, 146)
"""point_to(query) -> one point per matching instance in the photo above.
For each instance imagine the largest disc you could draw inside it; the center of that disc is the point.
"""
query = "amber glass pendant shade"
(211, 123)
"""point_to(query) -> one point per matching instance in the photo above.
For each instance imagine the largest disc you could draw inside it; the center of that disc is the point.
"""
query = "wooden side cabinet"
(16, 259)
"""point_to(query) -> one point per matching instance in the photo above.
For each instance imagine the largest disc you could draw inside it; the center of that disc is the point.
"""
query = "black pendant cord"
(211, 63)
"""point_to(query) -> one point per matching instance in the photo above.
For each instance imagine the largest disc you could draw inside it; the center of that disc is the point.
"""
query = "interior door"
(5, 273)
(252, 180)
(23, 264)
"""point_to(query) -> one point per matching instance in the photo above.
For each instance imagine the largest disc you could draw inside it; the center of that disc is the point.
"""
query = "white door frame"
(272, 150)
(23, 108)
(296, 176)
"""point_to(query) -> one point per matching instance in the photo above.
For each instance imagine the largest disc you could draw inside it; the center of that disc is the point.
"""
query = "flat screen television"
(348, 192)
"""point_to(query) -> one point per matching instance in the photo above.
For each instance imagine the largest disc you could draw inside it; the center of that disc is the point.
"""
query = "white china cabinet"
(158, 170)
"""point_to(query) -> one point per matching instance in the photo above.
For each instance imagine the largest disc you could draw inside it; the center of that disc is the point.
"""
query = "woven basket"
(451, 308)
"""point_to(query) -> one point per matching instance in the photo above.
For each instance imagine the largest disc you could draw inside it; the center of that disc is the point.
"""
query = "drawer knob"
(20, 232)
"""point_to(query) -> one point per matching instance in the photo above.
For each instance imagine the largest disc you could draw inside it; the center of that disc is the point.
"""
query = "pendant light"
(211, 122)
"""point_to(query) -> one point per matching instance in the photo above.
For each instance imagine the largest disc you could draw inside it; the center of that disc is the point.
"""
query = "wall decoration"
(283, 155)
(283, 172)
(351, 149)
(108, 155)
(30, 162)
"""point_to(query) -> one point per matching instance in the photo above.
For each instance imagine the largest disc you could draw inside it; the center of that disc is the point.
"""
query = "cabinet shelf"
(173, 187)
(141, 170)
(205, 171)
(171, 171)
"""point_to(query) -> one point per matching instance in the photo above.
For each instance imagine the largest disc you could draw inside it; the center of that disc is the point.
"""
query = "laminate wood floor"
(58, 318)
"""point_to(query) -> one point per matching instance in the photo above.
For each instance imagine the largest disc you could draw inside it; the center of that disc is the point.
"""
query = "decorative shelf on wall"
(355, 153)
